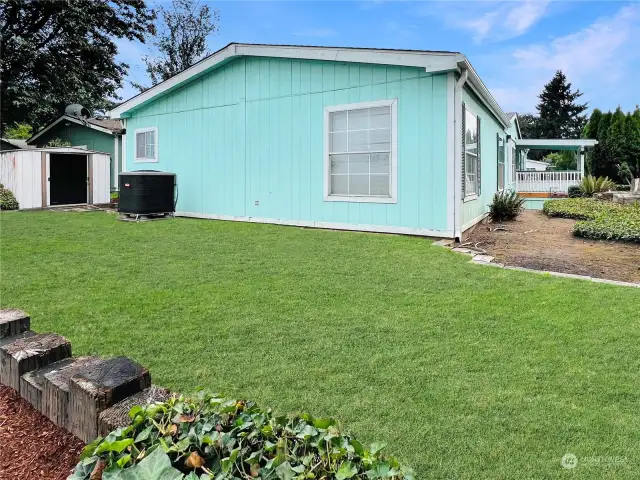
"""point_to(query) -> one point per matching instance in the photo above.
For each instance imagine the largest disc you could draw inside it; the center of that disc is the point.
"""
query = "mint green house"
(397, 141)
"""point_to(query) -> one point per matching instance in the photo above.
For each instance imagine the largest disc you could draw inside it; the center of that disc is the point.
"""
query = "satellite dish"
(77, 110)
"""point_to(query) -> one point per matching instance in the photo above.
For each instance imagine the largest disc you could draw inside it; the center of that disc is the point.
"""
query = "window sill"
(145, 160)
(340, 198)
(470, 198)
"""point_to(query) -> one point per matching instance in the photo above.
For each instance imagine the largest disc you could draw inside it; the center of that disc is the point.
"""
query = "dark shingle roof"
(112, 124)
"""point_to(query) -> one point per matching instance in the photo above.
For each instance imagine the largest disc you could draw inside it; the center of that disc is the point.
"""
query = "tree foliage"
(18, 131)
(617, 154)
(55, 53)
(181, 40)
(528, 125)
(559, 114)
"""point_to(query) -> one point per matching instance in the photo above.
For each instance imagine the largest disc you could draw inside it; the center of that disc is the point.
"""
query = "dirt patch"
(537, 241)
(31, 446)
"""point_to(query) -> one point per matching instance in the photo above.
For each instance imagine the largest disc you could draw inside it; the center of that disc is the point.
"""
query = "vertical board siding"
(489, 128)
(101, 173)
(21, 172)
(247, 140)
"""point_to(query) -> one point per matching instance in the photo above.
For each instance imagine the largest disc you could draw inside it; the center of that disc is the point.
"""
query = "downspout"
(457, 213)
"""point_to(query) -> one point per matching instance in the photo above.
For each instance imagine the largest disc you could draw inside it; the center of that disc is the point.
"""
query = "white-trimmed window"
(361, 152)
(146, 144)
(471, 155)
(501, 163)
(513, 164)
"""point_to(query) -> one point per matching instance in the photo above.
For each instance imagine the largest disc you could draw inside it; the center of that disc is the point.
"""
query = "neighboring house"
(399, 141)
(536, 165)
(103, 135)
(12, 144)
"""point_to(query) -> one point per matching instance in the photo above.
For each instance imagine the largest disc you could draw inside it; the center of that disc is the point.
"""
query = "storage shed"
(42, 177)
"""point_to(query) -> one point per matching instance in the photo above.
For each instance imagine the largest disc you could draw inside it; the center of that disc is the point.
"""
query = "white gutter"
(457, 126)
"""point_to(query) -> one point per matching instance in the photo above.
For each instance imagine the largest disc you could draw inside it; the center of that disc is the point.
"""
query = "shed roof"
(107, 125)
(16, 142)
(431, 60)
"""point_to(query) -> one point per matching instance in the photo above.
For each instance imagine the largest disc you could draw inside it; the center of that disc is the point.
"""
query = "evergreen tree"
(632, 138)
(599, 156)
(560, 115)
(591, 131)
(528, 125)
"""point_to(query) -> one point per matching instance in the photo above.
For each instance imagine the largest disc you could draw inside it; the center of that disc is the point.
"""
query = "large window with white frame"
(146, 144)
(471, 155)
(361, 150)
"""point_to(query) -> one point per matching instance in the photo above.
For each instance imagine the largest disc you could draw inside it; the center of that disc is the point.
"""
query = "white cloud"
(489, 20)
(315, 32)
(595, 59)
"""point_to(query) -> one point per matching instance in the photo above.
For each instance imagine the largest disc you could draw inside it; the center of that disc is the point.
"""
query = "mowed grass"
(464, 371)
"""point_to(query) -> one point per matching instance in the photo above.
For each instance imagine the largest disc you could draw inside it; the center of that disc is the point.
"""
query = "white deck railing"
(547, 181)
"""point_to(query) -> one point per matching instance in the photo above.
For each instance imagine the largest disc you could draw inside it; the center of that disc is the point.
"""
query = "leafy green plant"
(506, 205)
(7, 199)
(114, 197)
(57, 142)
(19, 131)
(574, 191)
(600, 220)
(591, 185)
(207, 437)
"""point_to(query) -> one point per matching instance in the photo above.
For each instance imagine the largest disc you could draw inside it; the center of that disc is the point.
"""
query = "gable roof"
(110, 126)
(513, 118)
(431, 61)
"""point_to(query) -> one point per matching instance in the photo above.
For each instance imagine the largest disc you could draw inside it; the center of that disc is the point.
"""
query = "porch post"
(581, 161)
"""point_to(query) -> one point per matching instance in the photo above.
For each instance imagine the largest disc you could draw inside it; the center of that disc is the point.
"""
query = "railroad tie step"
(118, 415)
(99, 387)
(29, 353)
(31, 383)
(13, 322)
(55, 389)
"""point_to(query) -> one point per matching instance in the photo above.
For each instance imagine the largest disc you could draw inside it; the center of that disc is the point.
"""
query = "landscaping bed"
(537, 241)
(600, 220)
(32, 447)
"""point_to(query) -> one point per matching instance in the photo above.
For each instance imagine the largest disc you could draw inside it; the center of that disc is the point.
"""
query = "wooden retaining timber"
(26, 354)
(85, 395)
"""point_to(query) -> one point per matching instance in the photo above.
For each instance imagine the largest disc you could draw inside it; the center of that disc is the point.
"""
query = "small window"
(471, 155)
(146, 145)
(513, 165)
(360, 152)
(501, 162)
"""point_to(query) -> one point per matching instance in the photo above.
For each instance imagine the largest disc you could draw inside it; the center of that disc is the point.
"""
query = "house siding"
(247, 140)
(473, 210)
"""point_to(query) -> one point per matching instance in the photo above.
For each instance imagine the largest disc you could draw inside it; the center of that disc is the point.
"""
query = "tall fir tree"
(560, 114)
(632, 136)
(591, 131)
(599, 156)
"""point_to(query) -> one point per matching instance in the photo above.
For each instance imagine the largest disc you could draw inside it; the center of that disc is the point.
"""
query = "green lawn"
(464, 371)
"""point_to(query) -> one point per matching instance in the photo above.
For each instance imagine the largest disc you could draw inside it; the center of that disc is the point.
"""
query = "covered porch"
(537, 184)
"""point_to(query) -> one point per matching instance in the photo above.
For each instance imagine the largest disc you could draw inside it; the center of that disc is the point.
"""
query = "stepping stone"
(55, 389)
(100, 387)
(13, 322)
(483, 258)
(31, 383)
(30, 353)
(118, 415)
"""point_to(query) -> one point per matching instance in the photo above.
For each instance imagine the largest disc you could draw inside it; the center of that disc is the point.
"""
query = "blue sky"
(515, 46)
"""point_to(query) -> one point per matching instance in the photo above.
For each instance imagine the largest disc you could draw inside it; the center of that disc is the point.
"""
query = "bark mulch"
(542, 243)
(31, 446)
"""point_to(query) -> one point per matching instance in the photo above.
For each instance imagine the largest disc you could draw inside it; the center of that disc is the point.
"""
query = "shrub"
(114, 197)
(7, 199)
(506, 205)
(600, 220)
(208, 437)
(575, 191)
(591, 185)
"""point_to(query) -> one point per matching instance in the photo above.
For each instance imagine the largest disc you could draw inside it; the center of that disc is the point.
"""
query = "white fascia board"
(560, 142)
(480, 89)
(69, 119)
(431, 61)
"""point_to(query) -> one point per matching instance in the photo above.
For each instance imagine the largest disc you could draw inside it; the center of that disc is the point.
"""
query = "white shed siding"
(101, 178)
(21, 172)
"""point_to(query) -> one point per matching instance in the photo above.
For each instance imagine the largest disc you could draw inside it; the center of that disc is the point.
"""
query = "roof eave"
(482, 91)
(430, 61)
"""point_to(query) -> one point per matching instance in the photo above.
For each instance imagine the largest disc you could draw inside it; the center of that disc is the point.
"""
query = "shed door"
(100, 178)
